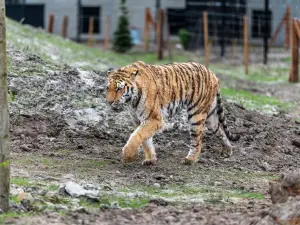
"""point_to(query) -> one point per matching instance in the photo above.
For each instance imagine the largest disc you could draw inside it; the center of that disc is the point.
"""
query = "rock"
(287, 185)
(296, 143)
(114, 205)
(27, 201)
(158, 202)
(21, 194)
(157, 185)
(76, 190)
(104, 206)
(61, 207)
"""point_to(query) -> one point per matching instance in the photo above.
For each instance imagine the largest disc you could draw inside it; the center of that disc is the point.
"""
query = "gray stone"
(76, 190)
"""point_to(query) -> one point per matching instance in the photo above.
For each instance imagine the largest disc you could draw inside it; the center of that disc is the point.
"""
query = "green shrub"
(185, 37)
(122, 37)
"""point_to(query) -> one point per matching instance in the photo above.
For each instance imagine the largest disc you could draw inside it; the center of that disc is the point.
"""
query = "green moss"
(125, 202)
(255, 101)
(63, 152)
(9, 215)
(20, 181)
(256, 73)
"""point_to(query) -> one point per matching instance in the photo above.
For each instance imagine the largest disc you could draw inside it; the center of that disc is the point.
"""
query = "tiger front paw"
(187, 161)
(226, 152)
(129, 155)
(149, 162)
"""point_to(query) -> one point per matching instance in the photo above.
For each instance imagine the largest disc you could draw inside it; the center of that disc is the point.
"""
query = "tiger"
(152, 92)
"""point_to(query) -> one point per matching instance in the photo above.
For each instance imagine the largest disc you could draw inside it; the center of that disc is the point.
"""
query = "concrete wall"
(278, 9)
(136, 10)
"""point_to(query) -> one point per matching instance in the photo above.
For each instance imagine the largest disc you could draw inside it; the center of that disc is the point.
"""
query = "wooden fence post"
(146, 29)
(294, 72)
(206, 44)
(4, 118)
(168, 37)
(51, 23)
(287, 38)
(91, 31)
(159, 32)
(246, 46)
(107, 30)
(64, 28)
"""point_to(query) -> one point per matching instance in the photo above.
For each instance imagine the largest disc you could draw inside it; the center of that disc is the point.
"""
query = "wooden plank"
(107, 30)
(91, 31)
(287, 37)
(206, 44)
(64, 28)
(160, 25)
(51, 23)
(246, 45)
(294, 72)
(4, 118)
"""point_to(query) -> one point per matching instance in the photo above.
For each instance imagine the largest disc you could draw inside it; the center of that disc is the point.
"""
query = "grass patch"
(126, 202)
(256, 73)
(184, 193)
(9, 215)
(20, 181)
(63, 152)
(53, 48)
(256, 101)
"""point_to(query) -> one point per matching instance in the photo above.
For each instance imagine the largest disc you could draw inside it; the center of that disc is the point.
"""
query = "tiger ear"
(134, 71)
(110, 70)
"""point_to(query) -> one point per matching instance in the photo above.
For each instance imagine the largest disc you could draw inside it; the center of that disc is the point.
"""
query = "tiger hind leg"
(197, 123)
(214, 125)
(150, 154)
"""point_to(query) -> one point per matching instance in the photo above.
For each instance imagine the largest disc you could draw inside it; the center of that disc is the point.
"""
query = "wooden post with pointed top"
(4, 118)
(160, 36)
(51, 23)
(246, 46)
(294, 72)
(64, 28)
(107, 29)
(91, 31)
(168, 37)
(287, 37)
(206, 44)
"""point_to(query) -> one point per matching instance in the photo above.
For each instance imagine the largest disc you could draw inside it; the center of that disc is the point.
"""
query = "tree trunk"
(4, 118)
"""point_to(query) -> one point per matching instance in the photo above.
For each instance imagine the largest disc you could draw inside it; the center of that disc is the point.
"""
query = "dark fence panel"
(32, 14)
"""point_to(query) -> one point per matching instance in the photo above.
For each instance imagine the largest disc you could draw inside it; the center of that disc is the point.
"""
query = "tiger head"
(120, 86)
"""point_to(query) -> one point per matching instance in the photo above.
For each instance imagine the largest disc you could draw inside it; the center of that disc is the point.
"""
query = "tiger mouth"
(117, 106)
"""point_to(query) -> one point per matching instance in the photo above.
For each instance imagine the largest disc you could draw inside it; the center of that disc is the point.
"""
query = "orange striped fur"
(152, 91)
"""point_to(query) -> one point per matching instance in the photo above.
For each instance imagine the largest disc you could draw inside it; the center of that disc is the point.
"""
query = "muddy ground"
(62, 130)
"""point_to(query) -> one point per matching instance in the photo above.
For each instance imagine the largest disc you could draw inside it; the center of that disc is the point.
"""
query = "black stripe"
(217, 129)
(195, 113)
(194, 134)
(139, 95)
(220, 110)
(197, 123)
(221, 120)
(209, 115)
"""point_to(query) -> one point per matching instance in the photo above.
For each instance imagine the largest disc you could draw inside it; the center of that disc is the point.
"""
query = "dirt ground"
(265, 150)
(62, 130)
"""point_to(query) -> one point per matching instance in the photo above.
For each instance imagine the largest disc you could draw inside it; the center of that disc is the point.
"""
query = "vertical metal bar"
(266, 32)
